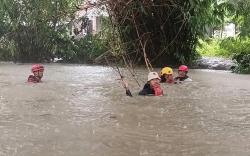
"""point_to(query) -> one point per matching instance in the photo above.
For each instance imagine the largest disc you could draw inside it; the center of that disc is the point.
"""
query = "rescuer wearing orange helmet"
(37, 70)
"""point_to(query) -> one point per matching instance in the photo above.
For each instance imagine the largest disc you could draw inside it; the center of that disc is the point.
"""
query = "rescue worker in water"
(167, 75)
(182, 74)
(152, 87)
(37, 70)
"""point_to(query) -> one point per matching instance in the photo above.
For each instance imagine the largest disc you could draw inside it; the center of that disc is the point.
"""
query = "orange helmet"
(37, 67)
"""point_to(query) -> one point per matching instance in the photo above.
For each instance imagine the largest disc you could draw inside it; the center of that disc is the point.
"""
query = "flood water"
(82, 110)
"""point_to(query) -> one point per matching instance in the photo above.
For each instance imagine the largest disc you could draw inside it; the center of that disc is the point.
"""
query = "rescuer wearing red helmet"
(37, 70)
(182, 74)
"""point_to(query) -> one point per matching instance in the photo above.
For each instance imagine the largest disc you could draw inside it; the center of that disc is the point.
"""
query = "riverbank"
(215, 63)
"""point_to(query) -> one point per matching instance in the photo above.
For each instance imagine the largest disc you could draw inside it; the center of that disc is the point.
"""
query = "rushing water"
(83, 111)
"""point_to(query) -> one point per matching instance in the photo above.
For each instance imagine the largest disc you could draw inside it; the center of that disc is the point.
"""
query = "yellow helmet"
(166, 70)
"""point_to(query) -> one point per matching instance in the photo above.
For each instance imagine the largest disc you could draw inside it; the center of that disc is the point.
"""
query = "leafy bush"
(212, 48)
(6, 50)
(239, 48)
(84, 50)
(236, 48)
(91, 47)
(236, 45)
(5, 55)
(243, 62)
(34, 43)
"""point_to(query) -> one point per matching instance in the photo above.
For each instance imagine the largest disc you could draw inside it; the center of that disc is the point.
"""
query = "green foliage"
(33, 44)
(223, 47)
(236, 48)
(39, 30)
(236, 45)
(240, 50)
(7, 50)
(243, 62)
(5, 55)
(167, 31)
(34, 26)
(241, 17)
(91, 47)
(84, 50)
(209, 13)
(212, 48)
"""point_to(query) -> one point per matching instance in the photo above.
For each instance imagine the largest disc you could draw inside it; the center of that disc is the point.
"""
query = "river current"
(82, 110)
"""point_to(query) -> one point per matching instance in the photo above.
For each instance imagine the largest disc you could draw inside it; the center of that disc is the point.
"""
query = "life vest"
(158, 91)
(147, 90)
(33, 79)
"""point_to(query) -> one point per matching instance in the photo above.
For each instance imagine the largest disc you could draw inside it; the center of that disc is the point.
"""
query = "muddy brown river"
(82, 110)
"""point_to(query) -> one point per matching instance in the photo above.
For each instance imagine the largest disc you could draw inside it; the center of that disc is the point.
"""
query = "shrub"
(5, 55)
(236, 48)
(239, 48)
(84, 50)
(243, 63)
(212, 48)
(6, 50)
(236, 45)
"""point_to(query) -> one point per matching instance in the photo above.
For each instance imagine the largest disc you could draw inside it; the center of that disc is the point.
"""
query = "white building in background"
(92, 15)
(229, 30)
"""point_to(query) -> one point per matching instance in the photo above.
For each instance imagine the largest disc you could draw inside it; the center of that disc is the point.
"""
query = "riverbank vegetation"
(237, 49)
(225, 48)
(154, 33)
(41, 30)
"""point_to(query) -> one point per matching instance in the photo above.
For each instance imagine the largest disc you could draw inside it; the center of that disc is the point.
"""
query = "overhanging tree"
(163, 31)
(36, 27)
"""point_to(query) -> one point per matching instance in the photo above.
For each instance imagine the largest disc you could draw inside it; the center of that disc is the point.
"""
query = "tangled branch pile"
(155, 30)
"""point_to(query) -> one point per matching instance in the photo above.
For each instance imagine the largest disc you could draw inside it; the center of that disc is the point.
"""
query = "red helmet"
(37, 67)
(183, 68)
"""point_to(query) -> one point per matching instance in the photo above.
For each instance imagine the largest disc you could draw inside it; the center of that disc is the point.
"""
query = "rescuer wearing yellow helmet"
(167, 75)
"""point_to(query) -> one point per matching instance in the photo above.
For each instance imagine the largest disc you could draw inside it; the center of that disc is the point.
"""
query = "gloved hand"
(125, 85)
(158, 90)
